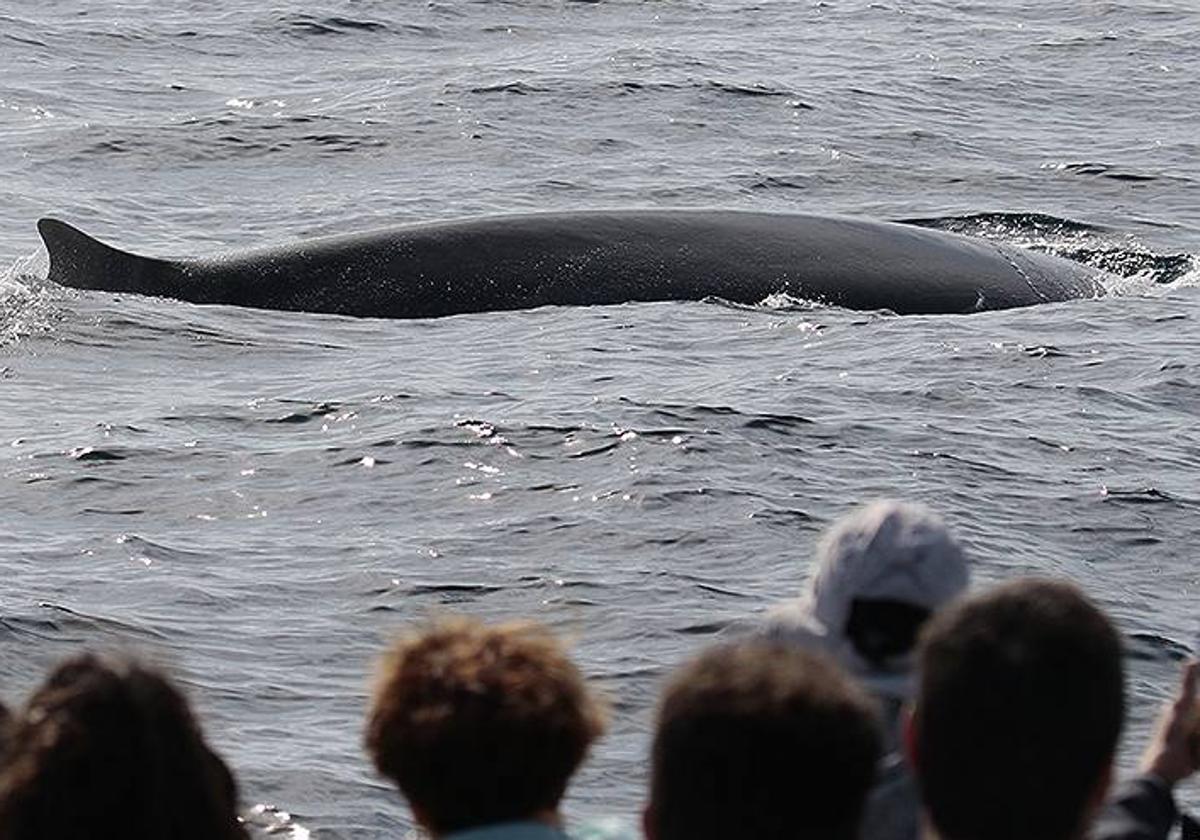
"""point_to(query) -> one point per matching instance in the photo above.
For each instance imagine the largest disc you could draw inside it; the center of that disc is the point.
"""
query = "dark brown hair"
(108, 748)
(761, 740)
(480, 724)
(1018, 713)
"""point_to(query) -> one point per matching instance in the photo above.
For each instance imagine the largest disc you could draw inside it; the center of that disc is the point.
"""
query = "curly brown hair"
(480, 724)
(108, 748)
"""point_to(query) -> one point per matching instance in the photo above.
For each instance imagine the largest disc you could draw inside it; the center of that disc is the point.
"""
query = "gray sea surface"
(262, 499)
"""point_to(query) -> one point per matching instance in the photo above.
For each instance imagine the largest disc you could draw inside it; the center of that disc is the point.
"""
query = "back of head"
(108, 748)
(479, 725)
(1018, 713)
(761, 740)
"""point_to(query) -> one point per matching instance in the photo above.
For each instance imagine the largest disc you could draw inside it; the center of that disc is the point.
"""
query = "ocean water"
(261, 499)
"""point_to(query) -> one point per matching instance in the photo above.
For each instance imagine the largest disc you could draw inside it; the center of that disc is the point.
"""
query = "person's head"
(1018, 711)
(881, 572)
(108, 748)
(761, 740)
(480, 724)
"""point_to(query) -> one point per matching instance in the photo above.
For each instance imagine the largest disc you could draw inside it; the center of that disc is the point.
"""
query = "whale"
(586, 258)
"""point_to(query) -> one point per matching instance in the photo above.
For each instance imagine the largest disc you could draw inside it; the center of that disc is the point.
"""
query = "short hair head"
(1018, 712)
(480, 724)
(761, 740)
(107, 747)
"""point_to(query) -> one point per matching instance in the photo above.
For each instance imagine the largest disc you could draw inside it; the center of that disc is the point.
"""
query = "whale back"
(592, 258)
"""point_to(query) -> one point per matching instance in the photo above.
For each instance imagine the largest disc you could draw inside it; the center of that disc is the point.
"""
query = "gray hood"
(887, 550)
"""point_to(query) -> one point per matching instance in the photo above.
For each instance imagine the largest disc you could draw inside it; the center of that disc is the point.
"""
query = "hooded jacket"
(892, 551)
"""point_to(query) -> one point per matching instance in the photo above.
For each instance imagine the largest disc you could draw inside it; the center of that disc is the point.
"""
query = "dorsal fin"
(79, 261)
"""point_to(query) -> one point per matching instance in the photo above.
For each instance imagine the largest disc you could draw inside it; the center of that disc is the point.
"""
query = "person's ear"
(908, 734)
(648, 830)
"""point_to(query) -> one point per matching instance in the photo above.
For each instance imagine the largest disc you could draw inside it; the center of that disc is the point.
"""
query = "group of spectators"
(885, 704)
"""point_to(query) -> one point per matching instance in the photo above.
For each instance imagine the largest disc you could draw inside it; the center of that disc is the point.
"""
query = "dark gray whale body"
(600, 257)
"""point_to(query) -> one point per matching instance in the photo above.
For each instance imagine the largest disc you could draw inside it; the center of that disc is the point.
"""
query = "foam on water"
(29, 305)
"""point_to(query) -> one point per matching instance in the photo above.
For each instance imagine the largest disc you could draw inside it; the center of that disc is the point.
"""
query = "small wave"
(458, 589)
(1101, 170)
(517, 88)
(1080, 41)
(236, 146)
(1153, 647)
(786, 517)
(21, 628)
(755, 89)
(147, 551)
(216, 121)
(65, 619)
(759, 182)
(595, 450)
(971, 464)
(315, 412)
(682, 411)
(705, 628)
(782, 423)
(231, 136)
(1042, 351)
(308, 25)
(91, 453)
(29, 42)
(1137, 495)
(343, 142)
(627, 87)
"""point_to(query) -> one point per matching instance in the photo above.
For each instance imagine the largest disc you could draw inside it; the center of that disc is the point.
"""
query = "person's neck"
(549, 817)
(928, 832)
